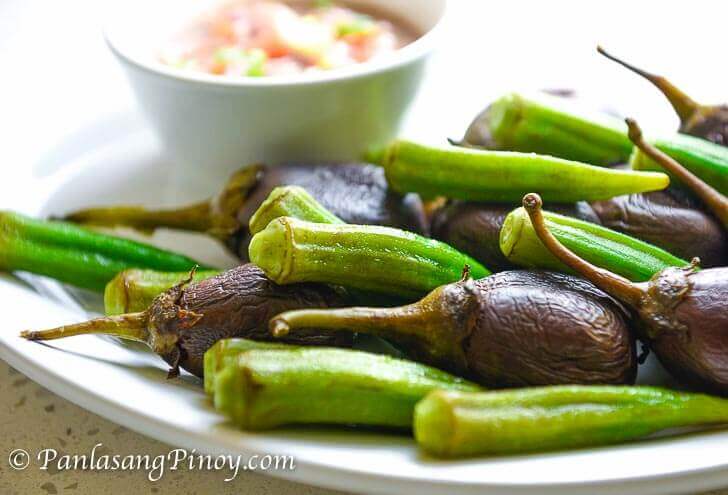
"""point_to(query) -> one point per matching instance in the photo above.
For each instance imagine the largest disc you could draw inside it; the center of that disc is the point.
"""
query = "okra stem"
(616, 252)
(290, 201)
(76, 255)
(715, 201)
(134, 290)
(550, 126)
(366, 257)
(226, 351)
(263, 389)
(454, 424)
(482, 175)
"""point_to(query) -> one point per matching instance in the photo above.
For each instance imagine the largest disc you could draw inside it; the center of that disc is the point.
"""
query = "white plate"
(127, 384)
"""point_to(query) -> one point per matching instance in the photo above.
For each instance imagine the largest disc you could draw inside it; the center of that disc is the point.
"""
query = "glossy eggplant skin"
(357, 193)
(474, 228)
(536, 328)
(236, 303)
(670, 220)
(687, 326)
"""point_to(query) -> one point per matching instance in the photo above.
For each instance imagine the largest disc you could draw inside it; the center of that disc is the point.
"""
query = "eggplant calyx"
(224, 207)
(665, 291)
(706, 117)
(167, 318)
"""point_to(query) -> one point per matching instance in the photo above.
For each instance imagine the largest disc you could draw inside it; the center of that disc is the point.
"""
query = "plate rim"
(309, 470)
(320, 474)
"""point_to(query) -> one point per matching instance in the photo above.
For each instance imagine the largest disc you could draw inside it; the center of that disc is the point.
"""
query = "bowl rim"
(419, 48)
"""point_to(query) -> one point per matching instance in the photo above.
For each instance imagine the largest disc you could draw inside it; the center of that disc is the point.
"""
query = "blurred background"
(58, 76)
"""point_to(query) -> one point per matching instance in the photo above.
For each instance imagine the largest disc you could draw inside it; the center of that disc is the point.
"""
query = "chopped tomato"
(264, 37)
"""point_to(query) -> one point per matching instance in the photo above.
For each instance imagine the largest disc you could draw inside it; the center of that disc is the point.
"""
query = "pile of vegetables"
(514, 328)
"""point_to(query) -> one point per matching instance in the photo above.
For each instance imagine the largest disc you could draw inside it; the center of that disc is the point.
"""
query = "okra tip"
(279, 327)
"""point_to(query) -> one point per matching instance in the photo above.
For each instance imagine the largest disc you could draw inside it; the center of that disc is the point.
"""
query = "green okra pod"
(555, 126)
(134, 290)
(483, 175)
(453, 424)
(366, 257)
(226, 351)
(76, 255)
(708, 161)
(550, 126)
(619, 253)
(262, 389)
(296, 202)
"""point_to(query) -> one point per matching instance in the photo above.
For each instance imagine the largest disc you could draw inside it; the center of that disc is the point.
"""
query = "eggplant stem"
(216, 216)
(684, 106)
(376, 321)
(195, 217)
(131, 326)
(717, 202)
(615, 285)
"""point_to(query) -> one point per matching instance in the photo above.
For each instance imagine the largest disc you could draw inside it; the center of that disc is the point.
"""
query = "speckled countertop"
(32, 418)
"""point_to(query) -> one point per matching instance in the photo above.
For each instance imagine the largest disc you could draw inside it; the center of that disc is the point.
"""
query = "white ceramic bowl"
(212, 125)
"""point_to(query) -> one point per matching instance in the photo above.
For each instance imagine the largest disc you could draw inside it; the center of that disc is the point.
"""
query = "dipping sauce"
(267, 38)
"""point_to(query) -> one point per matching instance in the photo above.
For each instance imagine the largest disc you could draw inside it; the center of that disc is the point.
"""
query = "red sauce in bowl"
(269, 38)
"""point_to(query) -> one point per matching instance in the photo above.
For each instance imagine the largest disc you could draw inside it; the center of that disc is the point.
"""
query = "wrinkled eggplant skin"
(237, 303)
(696, 352)
(667, 219)
(711, 125)
(543, 328)
(357, 193)
(474, 228)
